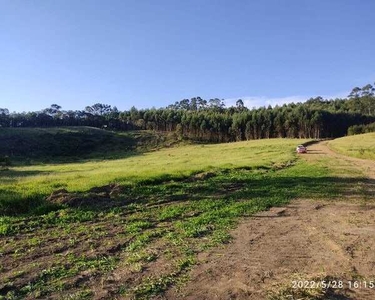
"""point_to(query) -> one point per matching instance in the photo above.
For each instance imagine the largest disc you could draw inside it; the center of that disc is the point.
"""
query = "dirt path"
(322, 149)
(305, 240)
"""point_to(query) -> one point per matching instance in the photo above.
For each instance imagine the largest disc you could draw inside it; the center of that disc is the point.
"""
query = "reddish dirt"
(304, 240)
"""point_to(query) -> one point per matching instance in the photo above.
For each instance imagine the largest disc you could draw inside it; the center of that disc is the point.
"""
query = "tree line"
(210, 120)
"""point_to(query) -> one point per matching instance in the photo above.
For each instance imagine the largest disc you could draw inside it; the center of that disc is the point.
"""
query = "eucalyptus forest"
(211, 121)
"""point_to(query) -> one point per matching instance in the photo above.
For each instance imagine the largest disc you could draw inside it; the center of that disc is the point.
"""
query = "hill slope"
(23, 185)
(159, 223)
(146, 235)
(361, 145)
(73, 143)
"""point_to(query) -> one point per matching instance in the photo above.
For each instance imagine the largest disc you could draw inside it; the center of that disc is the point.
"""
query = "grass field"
(173, 204)
(361, 145)
(25, 187)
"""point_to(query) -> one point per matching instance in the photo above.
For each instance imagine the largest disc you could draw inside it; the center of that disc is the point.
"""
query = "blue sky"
(153, 53)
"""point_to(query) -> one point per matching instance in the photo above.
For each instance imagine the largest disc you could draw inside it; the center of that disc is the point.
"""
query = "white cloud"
(260, 101)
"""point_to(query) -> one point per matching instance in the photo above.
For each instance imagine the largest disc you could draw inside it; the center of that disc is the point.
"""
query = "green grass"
(159, 227)
(361, 145)
(25, 187)
(139, 248)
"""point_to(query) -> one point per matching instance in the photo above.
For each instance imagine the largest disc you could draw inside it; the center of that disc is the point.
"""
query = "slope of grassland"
(172, 204)
(360, 146)
(66, 144)
(170, 208)
(24, 187)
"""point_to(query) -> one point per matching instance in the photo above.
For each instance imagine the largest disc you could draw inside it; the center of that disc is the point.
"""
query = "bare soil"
(306, 240)
(99, 197)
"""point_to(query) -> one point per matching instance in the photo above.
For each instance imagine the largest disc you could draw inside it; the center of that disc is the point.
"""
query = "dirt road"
(321, 149)
(306, 240)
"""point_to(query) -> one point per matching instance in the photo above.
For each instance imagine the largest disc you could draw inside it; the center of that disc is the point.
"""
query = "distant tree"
(193, 104)
(184, 104)
(4, 111)
(240, 104)
(216, 103)
(368, 90)
(98, 109)
(179, 131)
(4, 117)
(54, 110)
(56, 107)
(355, 92)
(202, 104)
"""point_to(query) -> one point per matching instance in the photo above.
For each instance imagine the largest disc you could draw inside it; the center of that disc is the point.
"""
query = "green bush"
(359, 129)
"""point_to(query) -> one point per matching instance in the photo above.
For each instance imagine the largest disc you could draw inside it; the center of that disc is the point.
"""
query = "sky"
(148, 53)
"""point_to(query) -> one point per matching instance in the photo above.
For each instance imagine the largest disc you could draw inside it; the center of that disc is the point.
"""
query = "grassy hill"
(33, 145)
(26, 184)
(361, 145)
(134, 226)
